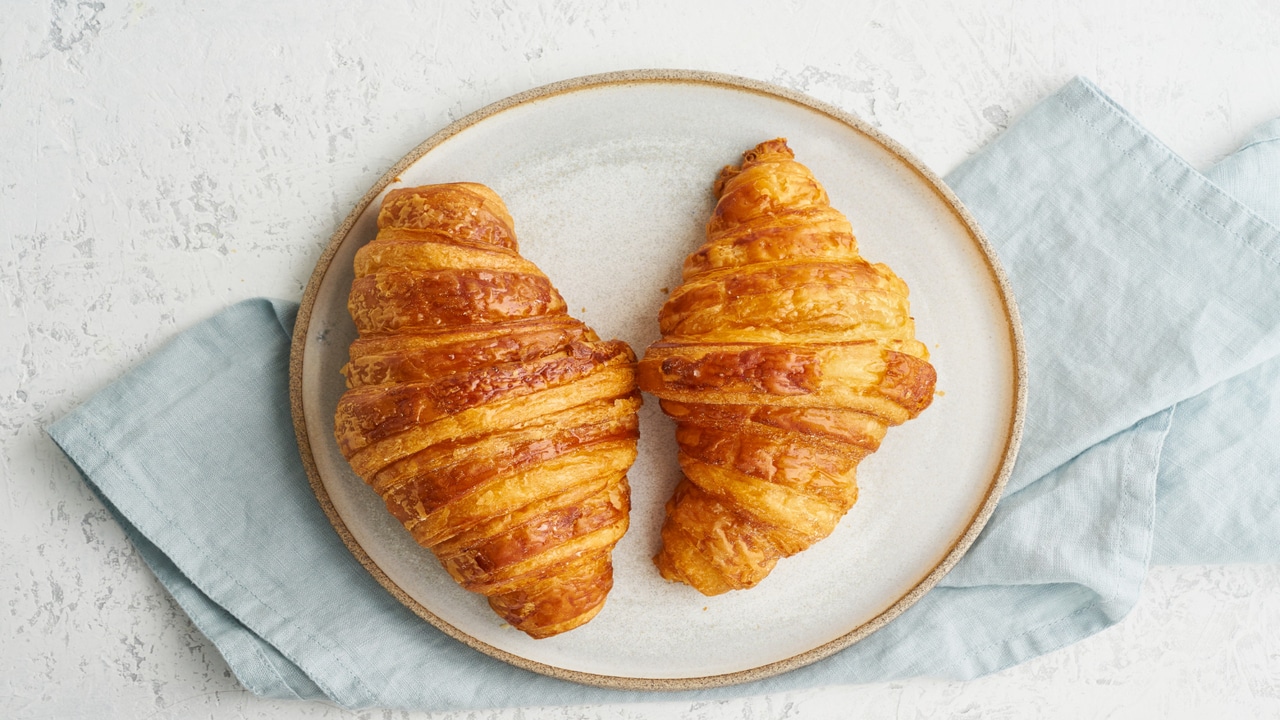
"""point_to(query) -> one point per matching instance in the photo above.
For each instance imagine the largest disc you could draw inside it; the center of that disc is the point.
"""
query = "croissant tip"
(776, 146)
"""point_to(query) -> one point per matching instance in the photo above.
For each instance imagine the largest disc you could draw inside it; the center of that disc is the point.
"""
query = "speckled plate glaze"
(609, 180)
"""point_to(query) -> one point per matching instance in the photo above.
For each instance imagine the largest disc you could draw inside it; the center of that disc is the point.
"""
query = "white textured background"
(161, 161)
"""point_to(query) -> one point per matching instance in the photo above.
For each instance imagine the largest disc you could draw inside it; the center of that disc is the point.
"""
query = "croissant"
(497, 428)
(784, 358)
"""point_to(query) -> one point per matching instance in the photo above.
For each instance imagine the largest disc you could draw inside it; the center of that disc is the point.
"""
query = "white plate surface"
(610, 187)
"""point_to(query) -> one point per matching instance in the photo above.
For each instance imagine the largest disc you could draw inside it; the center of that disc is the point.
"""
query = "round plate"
(609, 180)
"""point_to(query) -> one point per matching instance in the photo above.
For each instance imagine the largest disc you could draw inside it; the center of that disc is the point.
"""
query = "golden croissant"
(784, 358)
(497, 428)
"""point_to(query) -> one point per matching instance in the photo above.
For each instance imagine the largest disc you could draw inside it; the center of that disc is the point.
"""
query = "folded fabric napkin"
(1150, 299)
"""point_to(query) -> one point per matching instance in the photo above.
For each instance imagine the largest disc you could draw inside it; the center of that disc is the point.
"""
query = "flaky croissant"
(496, 427)
(784, 358)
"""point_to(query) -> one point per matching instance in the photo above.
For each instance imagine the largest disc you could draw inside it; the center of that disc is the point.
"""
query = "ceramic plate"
(609, 181)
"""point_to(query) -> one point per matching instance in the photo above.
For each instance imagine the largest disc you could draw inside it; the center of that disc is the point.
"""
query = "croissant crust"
(497, 428)
(784, 358)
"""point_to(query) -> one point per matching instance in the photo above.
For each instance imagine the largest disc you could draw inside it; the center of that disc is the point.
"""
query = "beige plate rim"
(670, 76)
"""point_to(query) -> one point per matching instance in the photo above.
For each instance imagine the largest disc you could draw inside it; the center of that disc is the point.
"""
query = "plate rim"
(660, 76)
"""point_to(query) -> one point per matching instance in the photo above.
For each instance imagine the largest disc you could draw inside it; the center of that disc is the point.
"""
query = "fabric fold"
(1151, 315)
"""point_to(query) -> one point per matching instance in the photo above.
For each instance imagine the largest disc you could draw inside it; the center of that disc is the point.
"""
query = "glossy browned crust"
(784, 358)
(497, 428)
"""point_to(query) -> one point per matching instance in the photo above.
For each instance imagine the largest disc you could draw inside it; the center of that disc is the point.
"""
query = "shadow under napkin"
(1152, 323)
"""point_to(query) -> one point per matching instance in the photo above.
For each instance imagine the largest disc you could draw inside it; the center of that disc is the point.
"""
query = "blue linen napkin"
(1151, 306)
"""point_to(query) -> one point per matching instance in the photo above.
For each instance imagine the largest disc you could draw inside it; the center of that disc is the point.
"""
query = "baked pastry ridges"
(496, 428)
(785, 357)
